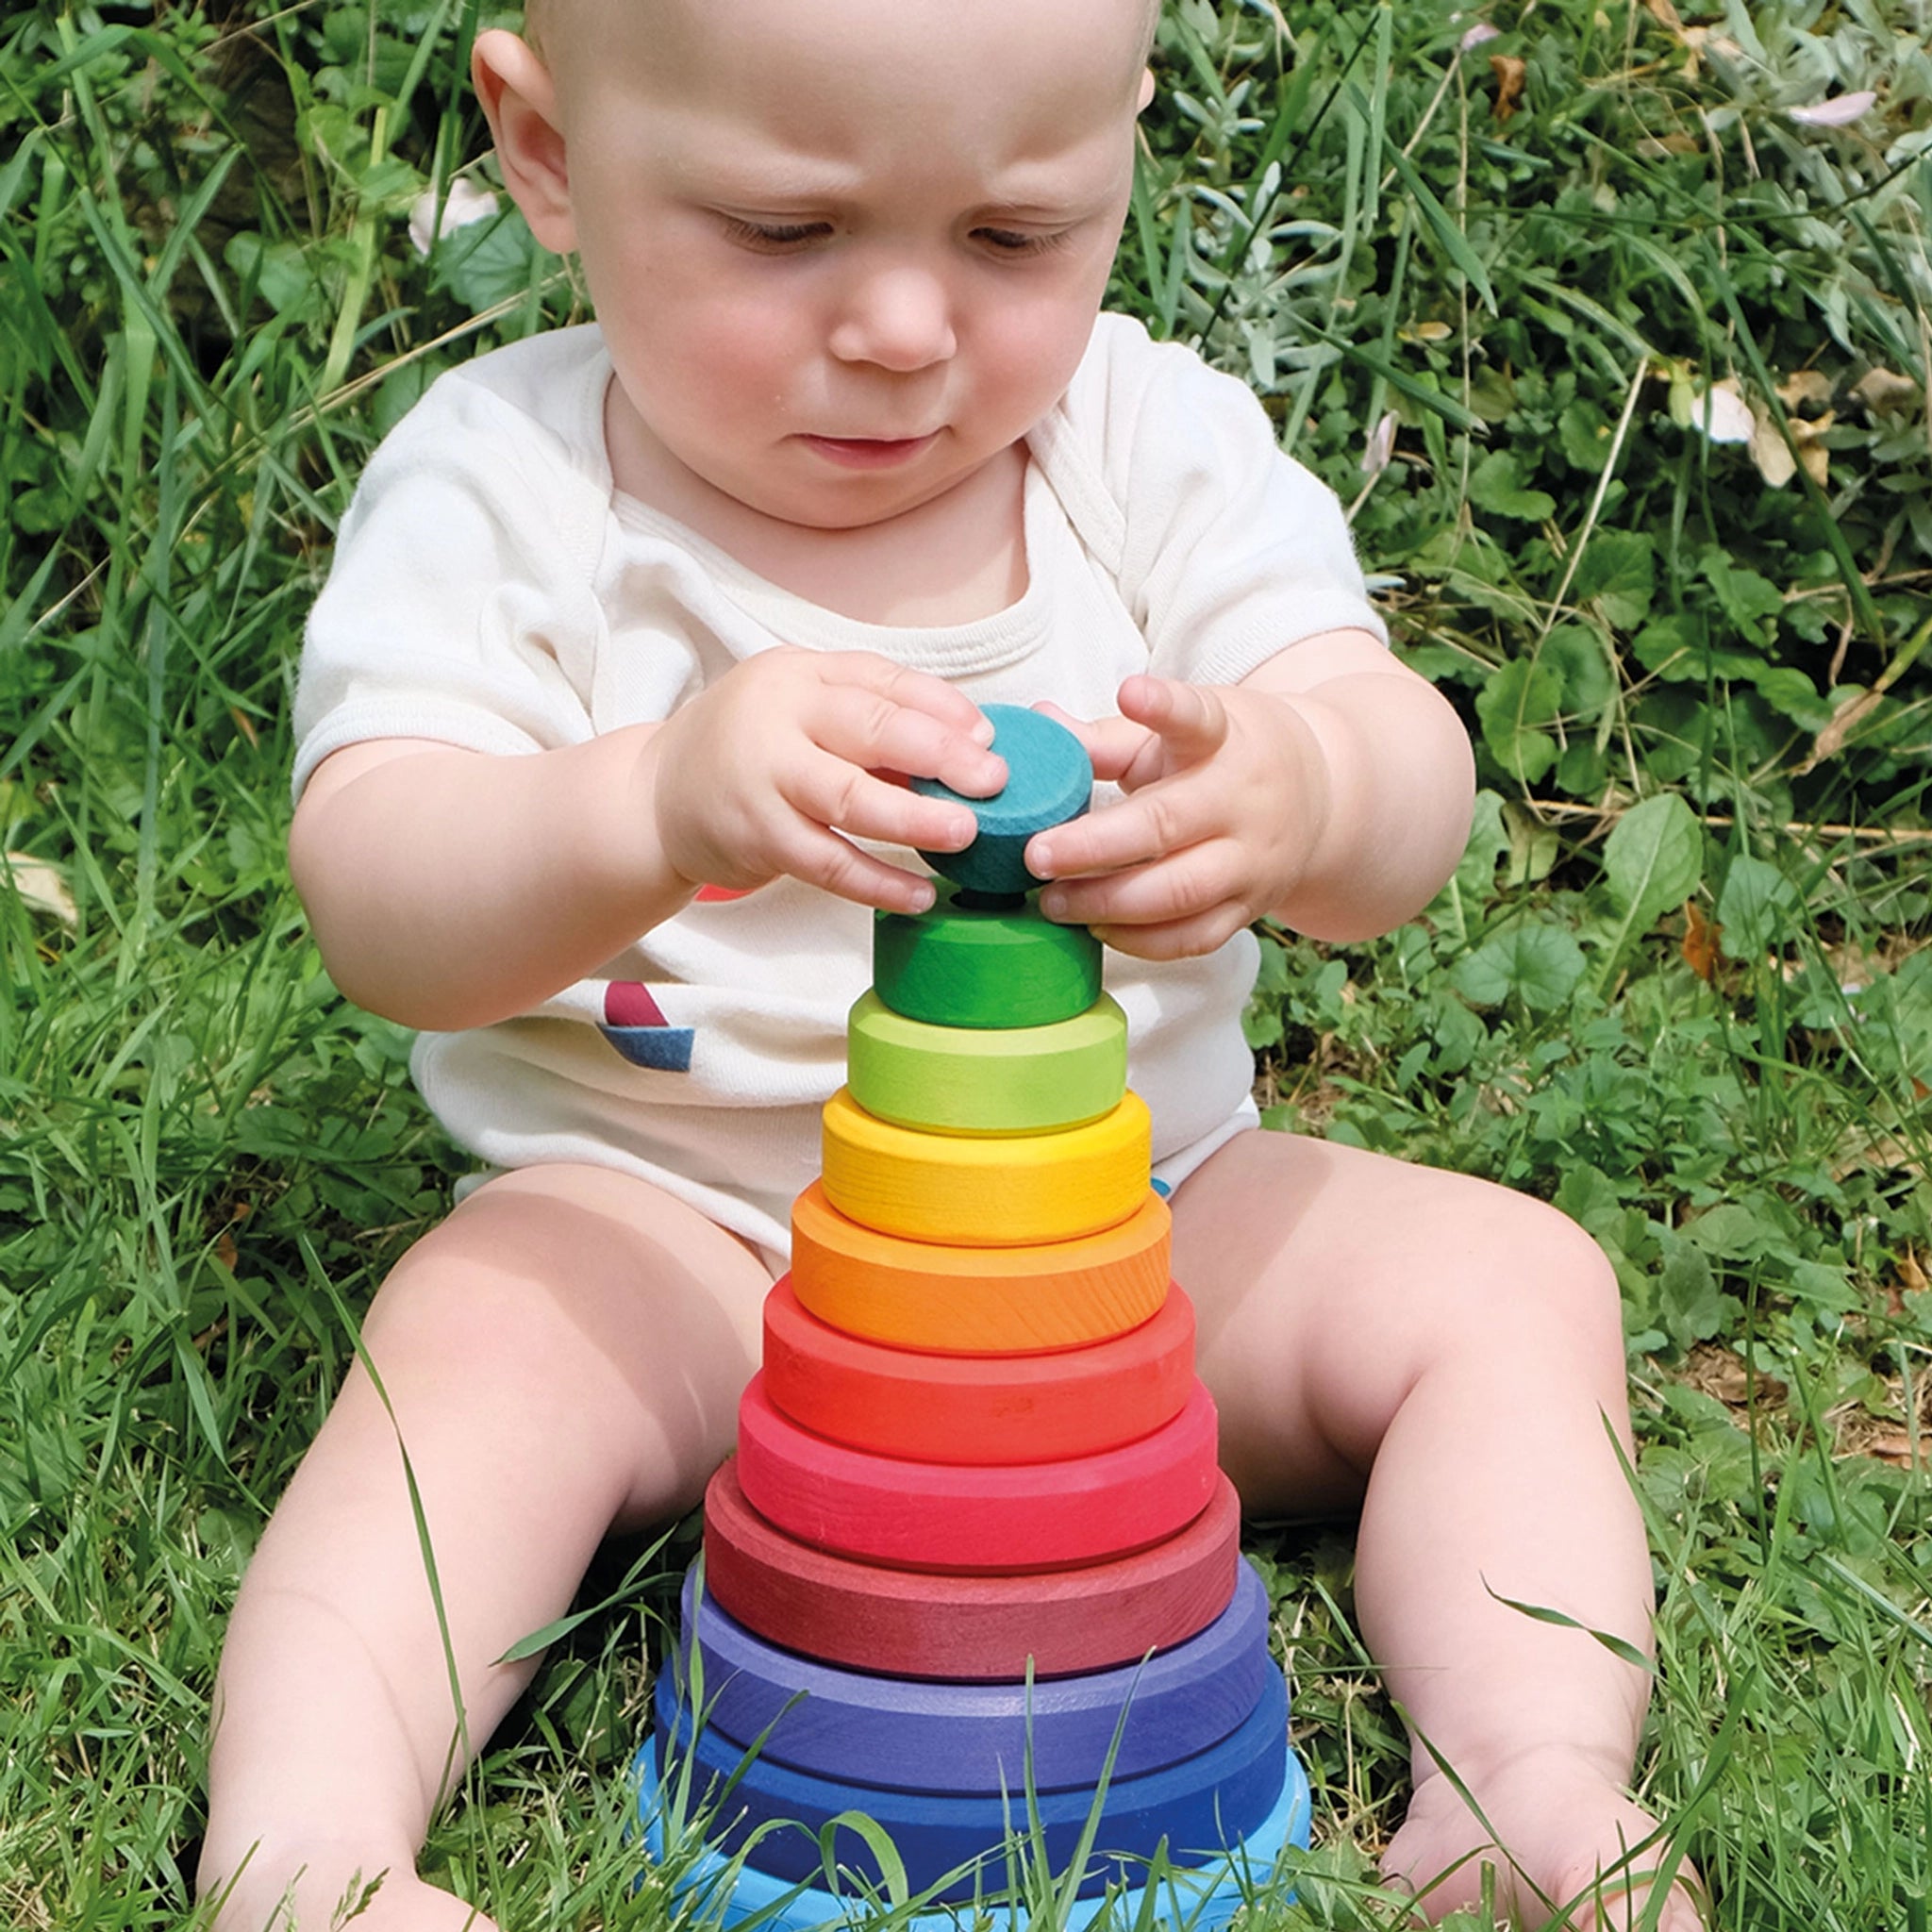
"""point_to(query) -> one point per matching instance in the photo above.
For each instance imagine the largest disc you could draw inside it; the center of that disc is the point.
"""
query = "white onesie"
(492, 589)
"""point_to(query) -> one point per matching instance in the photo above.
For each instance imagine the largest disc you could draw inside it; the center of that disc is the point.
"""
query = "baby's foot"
(397, 1902)
(1568, 1848)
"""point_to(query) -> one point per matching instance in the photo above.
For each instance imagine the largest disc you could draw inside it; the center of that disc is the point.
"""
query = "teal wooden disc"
(1049, 780)
(987, 1080)
(956, 966)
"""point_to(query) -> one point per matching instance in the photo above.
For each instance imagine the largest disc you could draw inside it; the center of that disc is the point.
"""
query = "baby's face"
(845, 251)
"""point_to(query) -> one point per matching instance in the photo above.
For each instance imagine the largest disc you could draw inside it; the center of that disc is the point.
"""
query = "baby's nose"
(899, 317)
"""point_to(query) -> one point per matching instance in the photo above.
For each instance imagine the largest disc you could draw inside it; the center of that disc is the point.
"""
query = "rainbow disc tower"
(974, 1569)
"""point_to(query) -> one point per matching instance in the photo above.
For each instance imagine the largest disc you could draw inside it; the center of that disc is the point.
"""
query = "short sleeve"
(459, 605)
(1226, 551)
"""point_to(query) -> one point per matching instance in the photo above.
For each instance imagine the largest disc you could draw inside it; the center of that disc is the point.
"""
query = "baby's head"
(844, 251)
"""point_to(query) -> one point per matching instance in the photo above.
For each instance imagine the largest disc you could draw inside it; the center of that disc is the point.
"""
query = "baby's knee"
(1531, 1273)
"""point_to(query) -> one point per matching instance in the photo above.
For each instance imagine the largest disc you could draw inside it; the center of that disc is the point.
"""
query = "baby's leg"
(563, 1355)
(1449, 1356)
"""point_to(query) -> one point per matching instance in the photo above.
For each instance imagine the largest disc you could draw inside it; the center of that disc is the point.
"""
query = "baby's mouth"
(870, 452)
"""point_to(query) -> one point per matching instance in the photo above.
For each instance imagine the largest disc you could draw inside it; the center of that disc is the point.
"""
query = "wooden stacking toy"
(974, 1568)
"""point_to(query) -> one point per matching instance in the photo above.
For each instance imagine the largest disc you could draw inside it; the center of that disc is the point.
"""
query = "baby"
(630, 629)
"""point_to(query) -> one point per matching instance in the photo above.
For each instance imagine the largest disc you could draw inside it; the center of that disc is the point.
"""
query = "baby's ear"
(519, 99)
(1146, 90)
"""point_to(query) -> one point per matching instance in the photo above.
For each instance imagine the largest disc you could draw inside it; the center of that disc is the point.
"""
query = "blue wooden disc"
(1200, 1897)
(971, 1739)
(1202, 1805)
(1049, 780)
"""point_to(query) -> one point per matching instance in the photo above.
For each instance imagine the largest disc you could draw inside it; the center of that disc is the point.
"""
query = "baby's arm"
(450, 887)
(1330, 789)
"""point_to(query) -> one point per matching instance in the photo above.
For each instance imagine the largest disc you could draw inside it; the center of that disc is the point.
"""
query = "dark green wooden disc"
(956, 967)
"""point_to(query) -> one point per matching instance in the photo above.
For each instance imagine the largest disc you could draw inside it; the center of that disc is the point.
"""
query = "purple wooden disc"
(1206, 1803)
(915, 1735)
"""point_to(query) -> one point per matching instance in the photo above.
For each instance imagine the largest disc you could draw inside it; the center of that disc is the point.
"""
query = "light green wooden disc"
(987, 1080)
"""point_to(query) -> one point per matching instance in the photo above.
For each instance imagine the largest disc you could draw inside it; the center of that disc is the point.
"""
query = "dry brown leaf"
(1805, 388)
(245, 726)
(1724, 1374)
(1700, 941)
(226, 1252)
(1510, 73)
(1851, 713)
(40, 885)
(1885, 393)
(1911, 1276)
(1666, 16)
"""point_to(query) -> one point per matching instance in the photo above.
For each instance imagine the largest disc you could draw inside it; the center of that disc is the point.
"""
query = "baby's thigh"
(1328, 1282)
(576, 1305)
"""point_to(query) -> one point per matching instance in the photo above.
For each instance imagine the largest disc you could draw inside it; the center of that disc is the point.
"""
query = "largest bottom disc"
(1202, 1897)
(1200, 1806)
(921, 1624)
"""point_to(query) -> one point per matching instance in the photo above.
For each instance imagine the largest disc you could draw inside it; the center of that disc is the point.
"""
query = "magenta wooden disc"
(977, 1517)
(926, 1624)
(978, 1408)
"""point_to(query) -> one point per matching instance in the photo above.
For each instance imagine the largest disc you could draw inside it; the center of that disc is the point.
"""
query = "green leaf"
(1496, 484)
(1731, 1230)
(1618, 572)
(1456, 909)
(1653, 859)
(1751, 602)
(1753, 911)
(1519, 700)
(1688, 1301)
(1539, 964)
(1589, 683)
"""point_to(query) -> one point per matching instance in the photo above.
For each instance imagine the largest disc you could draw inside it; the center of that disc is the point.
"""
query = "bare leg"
(563, 1357)
(1448, 1355)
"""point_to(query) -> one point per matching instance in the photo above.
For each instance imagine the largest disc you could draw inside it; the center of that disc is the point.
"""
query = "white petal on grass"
(1380, 446)
(1476, 36)
(38, 886)
(1723, 414)
(463, 202)
(1841, 111)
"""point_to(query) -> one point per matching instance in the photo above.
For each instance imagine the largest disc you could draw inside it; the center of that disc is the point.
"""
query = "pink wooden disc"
(976, 1518)
(979, 1629)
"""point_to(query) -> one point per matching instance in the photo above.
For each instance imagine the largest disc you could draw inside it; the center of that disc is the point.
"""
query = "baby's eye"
(1016, 240)
(774, 237)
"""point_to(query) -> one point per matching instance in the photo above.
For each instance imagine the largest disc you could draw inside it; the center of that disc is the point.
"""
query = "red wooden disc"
(981, 1629)
(980, 1518)
(978, 1408)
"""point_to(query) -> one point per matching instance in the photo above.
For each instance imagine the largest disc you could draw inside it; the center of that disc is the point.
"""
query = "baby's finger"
(835, 865)
(883, 715)
(865, 804)
(1189, 719)
(1162, 818)
(1111, 744)
(1184, 939)
(1176, 889)
(875, 732)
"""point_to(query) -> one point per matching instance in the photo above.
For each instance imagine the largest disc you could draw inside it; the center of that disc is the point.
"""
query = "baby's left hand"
(1228, 797)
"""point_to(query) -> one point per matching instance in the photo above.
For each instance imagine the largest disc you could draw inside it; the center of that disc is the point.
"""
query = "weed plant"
(1611, 324)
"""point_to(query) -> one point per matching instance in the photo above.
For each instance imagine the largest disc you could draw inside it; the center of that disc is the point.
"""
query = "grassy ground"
(1681, 984)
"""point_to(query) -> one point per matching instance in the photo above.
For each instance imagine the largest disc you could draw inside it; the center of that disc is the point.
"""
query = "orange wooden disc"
(989, 1516)
(918, 1624)
(978, 1301)
(976, 1407)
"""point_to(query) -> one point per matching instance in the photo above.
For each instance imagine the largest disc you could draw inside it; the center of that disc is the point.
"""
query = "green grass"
(1701, 702)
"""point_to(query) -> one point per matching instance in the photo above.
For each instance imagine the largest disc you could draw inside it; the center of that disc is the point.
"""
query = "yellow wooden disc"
(983, 1191)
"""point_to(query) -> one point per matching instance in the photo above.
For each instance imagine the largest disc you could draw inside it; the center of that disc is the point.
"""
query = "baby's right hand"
(763, 772)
